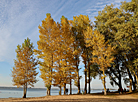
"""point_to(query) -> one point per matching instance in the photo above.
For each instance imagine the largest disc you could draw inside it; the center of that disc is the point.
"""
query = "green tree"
(24, 70)
(119, 26)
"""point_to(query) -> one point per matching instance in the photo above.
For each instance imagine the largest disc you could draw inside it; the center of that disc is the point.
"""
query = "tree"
(55, 48)
(130, 34)
(65, 58)
(79, 25)
(46, 49)
(24, 72)
(119, 26)
(135, 71)
(76, 53)
(106, 23)
(102, 51)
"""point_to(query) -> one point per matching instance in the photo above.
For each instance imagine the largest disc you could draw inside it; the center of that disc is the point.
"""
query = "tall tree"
(46, 49)
(76, 53)
(102, 51)
(55, 47)
(130, 34)
(24, 72)
(135, 71)
(79, 25)
(106, 24)
(119, 27)
(65, 54)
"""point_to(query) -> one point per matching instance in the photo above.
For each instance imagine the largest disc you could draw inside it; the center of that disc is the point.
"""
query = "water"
(32, 92)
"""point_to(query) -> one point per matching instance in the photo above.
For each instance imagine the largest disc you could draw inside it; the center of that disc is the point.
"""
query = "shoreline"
(98, 97)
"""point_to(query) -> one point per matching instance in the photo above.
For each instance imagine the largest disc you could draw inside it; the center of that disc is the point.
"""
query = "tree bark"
(78, 77)
(114, 80)
(136, 80)
(130, 86)
(89, 78)
(120, 84)
(117, 76)
(47, 92)
(60, 90)
(25, 90)
(104, 83)
(85, 78)
(70, 85)
(64, 88)
(134, 83)
(130, 79)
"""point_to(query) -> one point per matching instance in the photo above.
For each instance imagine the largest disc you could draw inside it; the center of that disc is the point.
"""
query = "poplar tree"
(102, 52)
(65, 59)
(46, 48)
(24, 70)
(79, 25)
(68, 40)
(55, 48)
(76, 53)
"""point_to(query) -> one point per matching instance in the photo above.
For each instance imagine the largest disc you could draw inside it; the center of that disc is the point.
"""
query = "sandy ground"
(78, 98)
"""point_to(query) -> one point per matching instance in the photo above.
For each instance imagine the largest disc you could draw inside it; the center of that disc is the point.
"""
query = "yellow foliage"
(24, 70)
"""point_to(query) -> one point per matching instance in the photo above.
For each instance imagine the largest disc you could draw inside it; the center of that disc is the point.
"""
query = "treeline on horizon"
(108, 48)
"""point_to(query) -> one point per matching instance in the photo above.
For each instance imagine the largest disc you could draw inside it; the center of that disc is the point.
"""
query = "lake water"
(33, 92)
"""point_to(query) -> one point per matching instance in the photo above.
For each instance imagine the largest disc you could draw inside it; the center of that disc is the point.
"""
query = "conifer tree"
(24, 72)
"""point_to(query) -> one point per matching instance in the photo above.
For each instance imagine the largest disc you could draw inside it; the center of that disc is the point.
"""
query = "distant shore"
(97, 97)
(4, 87)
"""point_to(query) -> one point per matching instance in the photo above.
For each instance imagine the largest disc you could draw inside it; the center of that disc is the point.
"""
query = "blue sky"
(20, 19)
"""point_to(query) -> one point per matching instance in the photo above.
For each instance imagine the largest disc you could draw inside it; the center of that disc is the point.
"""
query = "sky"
(20, 19)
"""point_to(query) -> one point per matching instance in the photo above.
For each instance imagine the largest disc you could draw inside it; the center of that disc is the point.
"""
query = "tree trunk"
(60, 90)
(130, 79)
(78, 78)
(89, 77)
(120, 84)
(137, 81)
(119, 78)
(117, 75)
(25, 90)
(88, 65)
(47, 92)
(85, 78)
(64, 89)
(134, 84)
(130, 86)
(78, 83)
(104, 83)
(70, 86)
